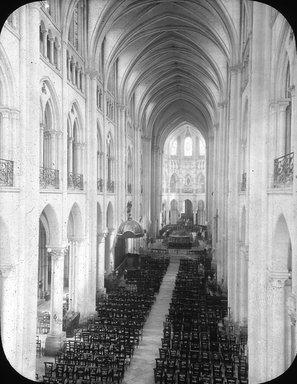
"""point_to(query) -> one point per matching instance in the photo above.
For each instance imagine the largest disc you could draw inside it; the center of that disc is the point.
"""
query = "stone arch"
(8, 86)
(281, 245)
(49, 219)
(75, 223)
(49, 95)
(99, 219)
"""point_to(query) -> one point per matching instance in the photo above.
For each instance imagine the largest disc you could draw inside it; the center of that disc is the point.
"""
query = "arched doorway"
(74, 266)
(281, 335)
(189, 210)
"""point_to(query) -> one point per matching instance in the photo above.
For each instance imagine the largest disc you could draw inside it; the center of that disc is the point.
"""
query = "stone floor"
(141, 369)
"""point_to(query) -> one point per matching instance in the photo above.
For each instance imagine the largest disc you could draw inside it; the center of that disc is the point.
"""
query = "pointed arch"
(50, 222)
(281, 245)
(75, 223)
(99, 219)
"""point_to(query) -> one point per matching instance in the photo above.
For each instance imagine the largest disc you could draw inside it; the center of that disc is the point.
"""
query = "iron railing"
(110, 186)
(100, 185)
(6, 172)
(283, 171)
(48, 178)
(243, 182)
(75, 180)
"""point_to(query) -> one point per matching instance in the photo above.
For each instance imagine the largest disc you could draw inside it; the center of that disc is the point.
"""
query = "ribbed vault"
(171, 55)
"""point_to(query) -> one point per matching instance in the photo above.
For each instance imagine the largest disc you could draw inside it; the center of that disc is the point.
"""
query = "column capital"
(236, 68)
(57, 252)
(283, 104)
(277, 279)
(6, 269)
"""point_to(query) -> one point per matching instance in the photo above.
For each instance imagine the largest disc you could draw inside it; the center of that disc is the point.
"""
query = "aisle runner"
(141, 370)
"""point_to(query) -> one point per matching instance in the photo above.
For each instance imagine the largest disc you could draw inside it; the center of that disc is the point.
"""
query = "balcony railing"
(110, 186)
(283, 171)
(100, 185)
(48, 178)
(129, 188)
(6, 172)
(243, 182)
(75, 181)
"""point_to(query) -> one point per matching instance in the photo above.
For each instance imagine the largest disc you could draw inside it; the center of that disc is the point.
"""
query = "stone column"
(73, 71)
(8, 311)
(41, 145)
(55, 338)
(276, 331)
(243, 285)
(53, 149)
(51, 39)
(68, 68)
(100, 262)
(111, 235)
(44, 37)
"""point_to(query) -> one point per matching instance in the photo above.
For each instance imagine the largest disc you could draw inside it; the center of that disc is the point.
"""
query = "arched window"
(74, 151)
(173, 148)
(49, 139)
(188, 146)
(75, 34)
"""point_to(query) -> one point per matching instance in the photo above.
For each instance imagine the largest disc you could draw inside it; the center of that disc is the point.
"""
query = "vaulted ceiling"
(173, 55)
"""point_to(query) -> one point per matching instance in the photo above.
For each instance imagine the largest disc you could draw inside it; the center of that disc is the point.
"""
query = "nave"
(163, 323)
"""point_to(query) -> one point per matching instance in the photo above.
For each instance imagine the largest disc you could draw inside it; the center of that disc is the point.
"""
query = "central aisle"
(141, 370)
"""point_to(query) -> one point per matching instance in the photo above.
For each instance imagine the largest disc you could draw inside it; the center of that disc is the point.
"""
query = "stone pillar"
(100, 262)
(53, 149)
(276, 330)
(69, 155)
(73, 71)
(41, 145)
(55, 338)
(111, 235)
(243, 285)
(8, 311)
(51, 54)
(68, 68)
(44, 37)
